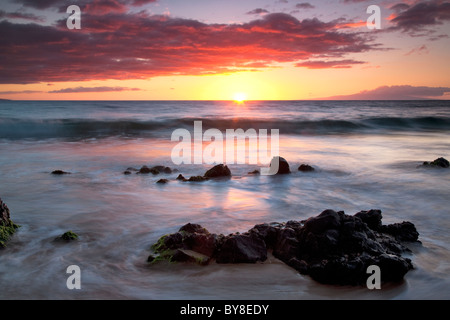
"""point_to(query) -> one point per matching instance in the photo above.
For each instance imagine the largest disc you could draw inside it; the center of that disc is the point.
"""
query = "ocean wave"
(87, 128)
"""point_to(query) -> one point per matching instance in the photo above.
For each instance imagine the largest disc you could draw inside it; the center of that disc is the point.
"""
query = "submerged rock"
(332, 247)
(147, 170)
(7, 227)
(67, 236)
(305, 168)
(60, 172)
(254, 172)
(181, 177)
(219, 170)
(197, 178)
(439, 162)
(162, 181)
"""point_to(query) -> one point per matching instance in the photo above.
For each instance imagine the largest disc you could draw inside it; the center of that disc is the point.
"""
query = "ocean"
(367, 155)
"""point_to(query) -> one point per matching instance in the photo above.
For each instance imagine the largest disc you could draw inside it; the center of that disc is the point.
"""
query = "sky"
(224, 50)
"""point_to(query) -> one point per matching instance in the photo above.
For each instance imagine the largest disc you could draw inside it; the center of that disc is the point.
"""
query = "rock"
(196, 243)
(60, 172)
(333, 248)
(126, 172)
(267, 232)
(242, 248)
(219, 170)
(283, 165)
(182, 255)
(439, 162)
(372, 218)
(162, 181)
(305, 168)
(254, 172)
(160, 169)
(328, 219)
(68, 236)
(197, 178)
(147, 170)
(181, 177)
(193, 228)
(405, 231)
(7, 226)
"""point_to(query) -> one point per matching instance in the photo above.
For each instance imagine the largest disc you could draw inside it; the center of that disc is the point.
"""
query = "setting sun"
(240, 97)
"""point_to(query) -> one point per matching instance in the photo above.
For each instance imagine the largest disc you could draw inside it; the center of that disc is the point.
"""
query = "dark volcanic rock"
(147, 170)
(405, 231)
(219, 170)
(439, 162)
(181, 177)
(162, 181)
(197, 178)
(283, 165)
(305, 168)
(372, 218)
(60, 172)
(242, 248)
(332, 247)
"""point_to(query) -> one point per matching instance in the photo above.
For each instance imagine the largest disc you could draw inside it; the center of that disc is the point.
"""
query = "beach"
(366, 155)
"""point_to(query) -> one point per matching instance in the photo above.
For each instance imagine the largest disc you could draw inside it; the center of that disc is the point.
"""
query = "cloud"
(85, 5)
(304, 5)
(20, 92)
(258, 11)
(420, 50)
(21, 15)
(319, 64)
(140, 46)
(94, 89)
(404, 92)
(417, 18)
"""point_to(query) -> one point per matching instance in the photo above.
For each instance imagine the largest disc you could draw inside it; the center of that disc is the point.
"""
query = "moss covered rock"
(7, 227)
(68, 236)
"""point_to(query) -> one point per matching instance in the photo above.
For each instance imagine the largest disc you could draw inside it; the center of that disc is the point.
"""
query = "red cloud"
(137, 46)
(94, 89)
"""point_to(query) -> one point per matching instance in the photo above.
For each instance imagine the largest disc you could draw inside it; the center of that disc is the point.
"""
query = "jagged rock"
(405, 231)
(7, 226)
(181, 177)
(372, 218)
(242, 248)
(219, 170)
(332, 247)
(439, 162)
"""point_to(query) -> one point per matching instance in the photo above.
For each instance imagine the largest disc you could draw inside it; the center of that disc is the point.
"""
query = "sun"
(239, 97)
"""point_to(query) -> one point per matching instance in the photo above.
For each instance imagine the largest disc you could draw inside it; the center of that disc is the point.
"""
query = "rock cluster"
(333, 247)
(438, 163)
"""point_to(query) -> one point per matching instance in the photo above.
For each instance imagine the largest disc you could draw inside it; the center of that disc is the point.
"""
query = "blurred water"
(118, 217)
